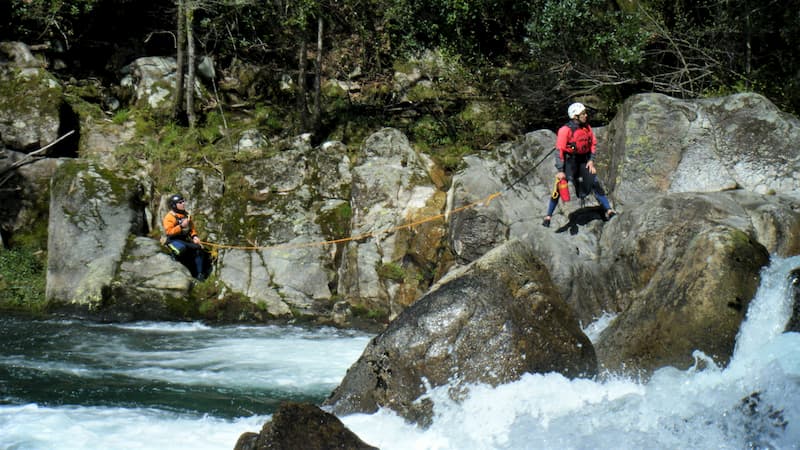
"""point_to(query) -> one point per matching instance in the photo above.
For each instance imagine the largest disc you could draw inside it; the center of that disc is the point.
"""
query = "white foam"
(694, 408)
(691, 408)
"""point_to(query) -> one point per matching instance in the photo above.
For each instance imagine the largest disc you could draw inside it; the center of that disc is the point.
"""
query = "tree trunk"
(318, 80)
(748, 45)
(191, 63)
(177, 107)
(301, 86)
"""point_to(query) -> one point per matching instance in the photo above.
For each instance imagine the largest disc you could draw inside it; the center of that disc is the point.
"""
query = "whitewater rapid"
(197, 387)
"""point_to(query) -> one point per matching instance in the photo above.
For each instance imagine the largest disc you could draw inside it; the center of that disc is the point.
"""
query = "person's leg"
(176, 247)
(187, 259)
(199, 262)
(603, 200)
(207, 263)
(551, 207)
(583, 179)
(600, 195)
(187, 254)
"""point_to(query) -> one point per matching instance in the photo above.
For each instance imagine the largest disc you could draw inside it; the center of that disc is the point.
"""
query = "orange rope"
(484, 201)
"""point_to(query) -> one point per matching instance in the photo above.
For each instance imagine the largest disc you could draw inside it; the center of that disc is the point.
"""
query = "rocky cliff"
(472, 287)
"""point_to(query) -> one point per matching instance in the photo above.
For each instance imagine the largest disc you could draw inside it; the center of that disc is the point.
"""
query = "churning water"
(74, 385)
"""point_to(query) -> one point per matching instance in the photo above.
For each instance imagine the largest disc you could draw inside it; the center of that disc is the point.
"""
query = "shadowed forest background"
(528, 57)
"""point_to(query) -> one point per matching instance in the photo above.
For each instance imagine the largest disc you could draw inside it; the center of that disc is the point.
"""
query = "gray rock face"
(30, 100)
(659, 144)
(152, 82)
(92, 214)
(490, 322)
(686, 267)
(392, 186)
(25, 191)
(149, 285)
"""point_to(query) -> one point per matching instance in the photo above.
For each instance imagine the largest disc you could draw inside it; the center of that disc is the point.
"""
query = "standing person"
(182, 239)
(576, 146)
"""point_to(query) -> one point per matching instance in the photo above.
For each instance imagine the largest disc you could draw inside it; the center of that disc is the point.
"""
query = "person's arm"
(593, 152)
(193, 233)
(562, 139)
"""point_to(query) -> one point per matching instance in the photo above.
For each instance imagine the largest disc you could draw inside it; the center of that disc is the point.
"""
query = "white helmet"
(575, 109)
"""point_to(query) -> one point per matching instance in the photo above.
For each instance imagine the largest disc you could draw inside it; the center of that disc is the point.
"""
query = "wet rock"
(302, 426)
(490, 322)
(794, 290)
(686, 266)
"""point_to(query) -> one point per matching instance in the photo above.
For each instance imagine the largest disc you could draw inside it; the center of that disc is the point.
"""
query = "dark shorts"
(576, 171)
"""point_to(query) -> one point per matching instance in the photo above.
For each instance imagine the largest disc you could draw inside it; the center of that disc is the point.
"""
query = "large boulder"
(489, 322)
(149, 285)
(501, 195)
(775, 220)
(92, 214)
(504, 196)
(151, 81)
(686, 267)
(272, 220)
(25, 192)
(302, 426)
(655, 145)
(659, 144)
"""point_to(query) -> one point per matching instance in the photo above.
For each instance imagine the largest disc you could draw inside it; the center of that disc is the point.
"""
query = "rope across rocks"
(484, 201)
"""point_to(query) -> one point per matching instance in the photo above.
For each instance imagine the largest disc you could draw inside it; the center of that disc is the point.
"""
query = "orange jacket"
(173, 229)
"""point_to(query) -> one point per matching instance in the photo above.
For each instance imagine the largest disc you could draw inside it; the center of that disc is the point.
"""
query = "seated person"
(182, 239)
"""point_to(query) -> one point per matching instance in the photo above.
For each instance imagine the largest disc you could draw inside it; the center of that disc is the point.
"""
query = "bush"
(22, 279)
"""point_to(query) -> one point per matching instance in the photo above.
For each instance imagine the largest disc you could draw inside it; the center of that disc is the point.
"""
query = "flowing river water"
(68, 384)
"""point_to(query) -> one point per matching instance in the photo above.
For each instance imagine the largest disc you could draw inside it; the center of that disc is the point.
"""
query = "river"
(68, 384)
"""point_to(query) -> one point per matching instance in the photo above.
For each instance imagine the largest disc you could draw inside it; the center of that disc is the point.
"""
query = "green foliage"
(121, 116)
(59, 18)
(377, 315)
(476, 29)
(392, 271)
(587, 32)
(268, 118)
(335, 222)
(22, 278)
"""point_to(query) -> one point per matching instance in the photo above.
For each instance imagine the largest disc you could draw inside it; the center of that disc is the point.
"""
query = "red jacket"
(575, 138)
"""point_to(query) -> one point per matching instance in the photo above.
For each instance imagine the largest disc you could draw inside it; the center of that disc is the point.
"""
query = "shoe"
(610, 213)
(201, 277)
(546, 222)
